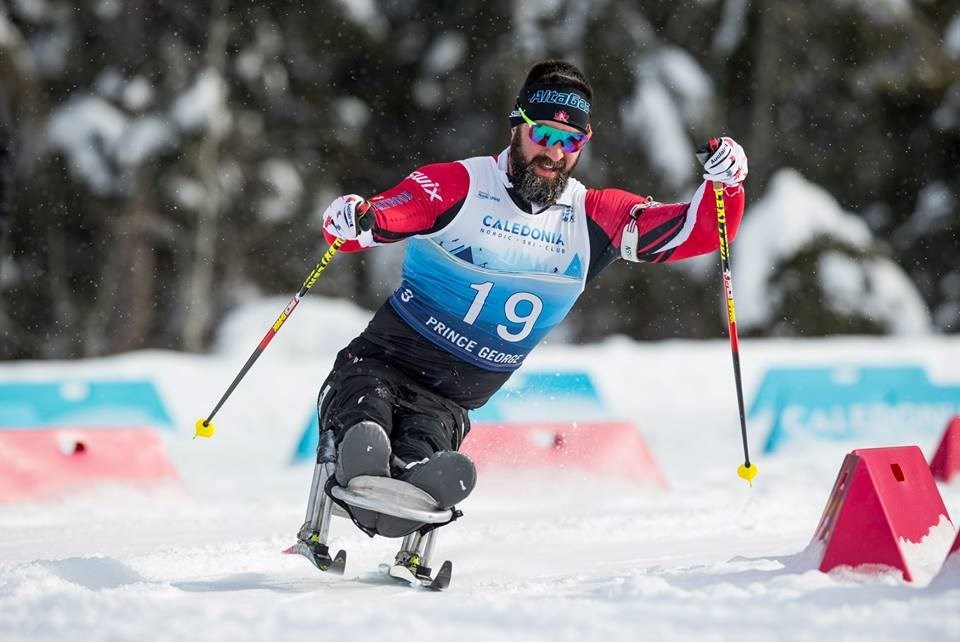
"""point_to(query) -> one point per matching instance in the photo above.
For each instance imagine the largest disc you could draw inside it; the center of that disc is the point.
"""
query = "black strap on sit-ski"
(331, 482)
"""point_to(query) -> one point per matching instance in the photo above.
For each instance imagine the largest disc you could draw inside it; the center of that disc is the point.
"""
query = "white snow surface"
(538, 557)
(926, 557)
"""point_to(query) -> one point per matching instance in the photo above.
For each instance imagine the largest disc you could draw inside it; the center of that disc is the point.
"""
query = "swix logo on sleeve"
(427, 184)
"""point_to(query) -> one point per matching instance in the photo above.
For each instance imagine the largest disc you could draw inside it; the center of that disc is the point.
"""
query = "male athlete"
(498, 250)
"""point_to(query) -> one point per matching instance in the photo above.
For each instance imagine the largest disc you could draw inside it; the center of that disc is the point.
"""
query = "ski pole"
(746, 470)
(205, 427)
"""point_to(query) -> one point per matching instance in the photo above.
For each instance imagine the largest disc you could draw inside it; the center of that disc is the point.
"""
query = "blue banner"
(883, 404)
(80, 403)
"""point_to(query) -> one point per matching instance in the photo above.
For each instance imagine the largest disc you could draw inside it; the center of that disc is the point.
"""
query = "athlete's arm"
(637, 228)
(422, 203)
(665, 232)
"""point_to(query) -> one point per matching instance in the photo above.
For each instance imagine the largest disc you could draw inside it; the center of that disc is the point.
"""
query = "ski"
(442, 579)
(420, 575)
(414, 575)
(401, 573)
(319, 556)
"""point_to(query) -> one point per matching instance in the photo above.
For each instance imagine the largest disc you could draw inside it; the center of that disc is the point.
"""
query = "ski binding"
(417, 575)
(319, 555)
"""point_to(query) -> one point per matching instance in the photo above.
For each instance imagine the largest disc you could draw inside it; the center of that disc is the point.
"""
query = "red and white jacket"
(430, 197)
(486, 276)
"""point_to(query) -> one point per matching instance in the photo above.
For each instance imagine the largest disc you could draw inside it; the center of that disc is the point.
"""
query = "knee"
(420, 437)
(357, 399)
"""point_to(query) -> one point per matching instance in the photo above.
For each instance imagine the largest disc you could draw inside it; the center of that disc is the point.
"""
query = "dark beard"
(527, 184)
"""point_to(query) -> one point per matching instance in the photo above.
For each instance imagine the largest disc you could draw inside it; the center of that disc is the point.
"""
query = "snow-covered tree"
(173, 157)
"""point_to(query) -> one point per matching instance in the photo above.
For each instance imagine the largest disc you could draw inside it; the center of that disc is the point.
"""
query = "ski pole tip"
(203, 428)
(747, 472)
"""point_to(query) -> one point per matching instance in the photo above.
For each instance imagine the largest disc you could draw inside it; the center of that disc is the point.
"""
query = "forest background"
(163, 161)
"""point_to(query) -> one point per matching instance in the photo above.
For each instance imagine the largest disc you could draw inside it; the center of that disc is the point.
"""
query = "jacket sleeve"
(422, 203)
(638, 228)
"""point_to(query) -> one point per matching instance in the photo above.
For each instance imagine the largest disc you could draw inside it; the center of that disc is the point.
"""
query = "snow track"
(537, 557)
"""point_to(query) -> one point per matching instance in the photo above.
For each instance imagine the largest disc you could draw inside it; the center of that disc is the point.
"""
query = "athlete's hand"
(346, 218)
(725, 162)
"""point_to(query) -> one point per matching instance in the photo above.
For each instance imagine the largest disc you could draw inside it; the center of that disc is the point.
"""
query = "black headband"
(560, 103)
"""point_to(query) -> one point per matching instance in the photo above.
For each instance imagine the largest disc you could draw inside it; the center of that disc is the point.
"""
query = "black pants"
(364, 387)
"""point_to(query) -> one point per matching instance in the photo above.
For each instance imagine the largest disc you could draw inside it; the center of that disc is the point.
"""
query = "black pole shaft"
(236, 380)
(743, 416)
(727, 276)
(287, 311)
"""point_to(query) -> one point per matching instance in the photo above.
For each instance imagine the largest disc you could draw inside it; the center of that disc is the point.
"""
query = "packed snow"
(539, 555)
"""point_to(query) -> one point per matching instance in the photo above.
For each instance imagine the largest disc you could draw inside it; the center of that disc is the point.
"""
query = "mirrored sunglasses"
(547, 136)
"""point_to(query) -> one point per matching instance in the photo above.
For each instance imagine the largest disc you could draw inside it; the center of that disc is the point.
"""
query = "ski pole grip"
(364, 219)
(707, 149)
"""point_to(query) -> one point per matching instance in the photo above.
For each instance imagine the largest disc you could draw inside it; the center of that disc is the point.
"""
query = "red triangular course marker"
(946, 461)
(883, 499)
(614, 448)
(40, 464)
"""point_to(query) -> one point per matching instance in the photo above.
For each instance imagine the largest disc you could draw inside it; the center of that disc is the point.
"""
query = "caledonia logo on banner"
(427, 184)
(523, 230)
(554, 97)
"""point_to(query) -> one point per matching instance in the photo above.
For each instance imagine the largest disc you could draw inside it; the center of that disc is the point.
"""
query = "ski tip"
(442, 578)
(339, 564)
(336, 566)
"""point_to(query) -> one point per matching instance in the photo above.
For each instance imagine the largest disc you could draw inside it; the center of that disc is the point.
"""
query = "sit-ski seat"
(390, 496)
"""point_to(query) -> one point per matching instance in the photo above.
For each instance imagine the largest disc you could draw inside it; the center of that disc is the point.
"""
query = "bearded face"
(532, 187)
